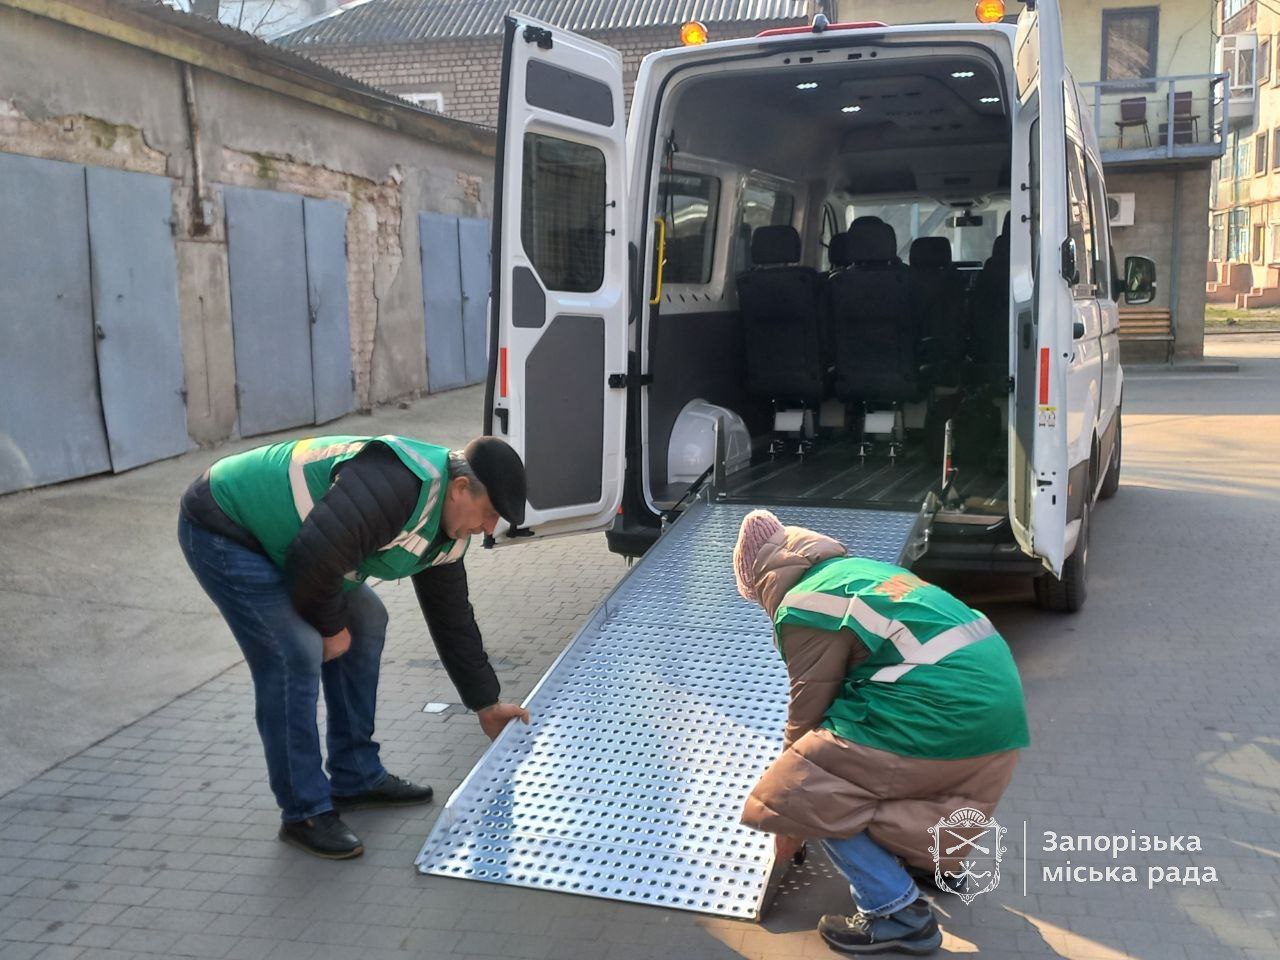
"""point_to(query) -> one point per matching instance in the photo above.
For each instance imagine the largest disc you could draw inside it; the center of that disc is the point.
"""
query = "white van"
(882, 249)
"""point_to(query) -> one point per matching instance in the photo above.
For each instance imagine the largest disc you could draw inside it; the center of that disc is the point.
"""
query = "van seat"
(875, 338)
(937, 293)
(781, 305)
(989, 338)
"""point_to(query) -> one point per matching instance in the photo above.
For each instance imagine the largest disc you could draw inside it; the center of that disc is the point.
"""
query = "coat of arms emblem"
(966, 853)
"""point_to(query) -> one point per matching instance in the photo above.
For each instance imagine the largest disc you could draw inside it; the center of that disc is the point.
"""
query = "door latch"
(539, 35)
(618, 381)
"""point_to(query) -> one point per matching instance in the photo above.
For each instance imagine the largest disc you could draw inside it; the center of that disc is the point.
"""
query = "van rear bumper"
(976, 545)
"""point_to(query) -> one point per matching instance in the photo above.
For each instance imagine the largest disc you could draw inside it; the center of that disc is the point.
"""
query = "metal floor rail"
(647, 734)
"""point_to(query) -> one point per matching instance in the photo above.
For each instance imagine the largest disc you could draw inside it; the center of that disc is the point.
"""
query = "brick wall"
(467, 71)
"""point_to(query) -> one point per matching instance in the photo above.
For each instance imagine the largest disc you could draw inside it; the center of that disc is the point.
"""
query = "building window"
(1231, 7)
(1241, 165)
(1275, 149)
(562, 204)
(1264, 61)
(1218, 241)
(689, 203)
(1260, 154)
(1129, 43)
(428, 101)
(1238, 234)
(1259, 235)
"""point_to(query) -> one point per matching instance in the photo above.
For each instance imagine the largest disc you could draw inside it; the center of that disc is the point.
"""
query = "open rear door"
(558, 327)
(1042, 314)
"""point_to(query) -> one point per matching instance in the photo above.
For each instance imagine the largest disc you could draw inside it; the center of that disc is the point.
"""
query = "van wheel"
(1067, 594)
(1111, 482)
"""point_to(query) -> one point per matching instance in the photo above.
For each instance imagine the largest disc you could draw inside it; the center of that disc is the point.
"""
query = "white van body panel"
(567, 89)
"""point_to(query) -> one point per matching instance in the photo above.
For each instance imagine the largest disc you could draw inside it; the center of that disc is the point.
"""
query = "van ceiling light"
(810, 85)
(852, 108)
(962, 74)
(693, 33)
(989, 100)
(989, 11)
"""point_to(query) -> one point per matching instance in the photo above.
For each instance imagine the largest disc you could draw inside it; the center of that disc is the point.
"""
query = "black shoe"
(913, 929)
(391, 792)
(324, 835)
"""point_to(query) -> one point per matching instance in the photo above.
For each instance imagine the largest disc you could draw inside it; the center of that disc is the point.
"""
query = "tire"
(1111, 482)
(1067, 593)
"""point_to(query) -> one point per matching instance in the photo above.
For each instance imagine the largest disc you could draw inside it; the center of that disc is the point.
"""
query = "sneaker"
(324, 835)
(913, 929)
(391, 792)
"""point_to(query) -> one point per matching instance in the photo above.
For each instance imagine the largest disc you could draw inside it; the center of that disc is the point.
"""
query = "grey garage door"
(455, 291)
(91, 375)
(289, 314)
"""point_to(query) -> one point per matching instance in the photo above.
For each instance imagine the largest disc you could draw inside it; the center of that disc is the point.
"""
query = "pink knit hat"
(757, 527)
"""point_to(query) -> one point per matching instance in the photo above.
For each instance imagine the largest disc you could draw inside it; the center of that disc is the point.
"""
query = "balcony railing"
(1160, 118)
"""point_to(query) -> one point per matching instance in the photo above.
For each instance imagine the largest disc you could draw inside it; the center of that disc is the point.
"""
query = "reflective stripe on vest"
(913, 652)
(299, 458)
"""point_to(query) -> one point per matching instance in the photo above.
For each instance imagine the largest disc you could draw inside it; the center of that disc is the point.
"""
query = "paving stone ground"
(1152, 712)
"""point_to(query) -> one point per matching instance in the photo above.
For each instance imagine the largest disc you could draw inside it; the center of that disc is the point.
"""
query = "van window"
(689, 203)
(971, 232)
(1101, 230)
(562, 203)
(1080, 223)
(762, 206)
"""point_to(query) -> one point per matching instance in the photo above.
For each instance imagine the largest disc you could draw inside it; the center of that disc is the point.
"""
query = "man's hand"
(786, 847)
(337, 645)
(494, 719)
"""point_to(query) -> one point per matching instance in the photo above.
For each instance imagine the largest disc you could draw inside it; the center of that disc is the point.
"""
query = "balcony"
(1134, 118)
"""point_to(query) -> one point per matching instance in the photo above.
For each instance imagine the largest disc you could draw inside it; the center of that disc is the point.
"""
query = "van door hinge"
(1010, 384)
(619, 380)
(502, 413)
(538, 35)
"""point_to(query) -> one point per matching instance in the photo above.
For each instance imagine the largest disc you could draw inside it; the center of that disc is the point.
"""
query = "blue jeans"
(877, 881)
(284, 655)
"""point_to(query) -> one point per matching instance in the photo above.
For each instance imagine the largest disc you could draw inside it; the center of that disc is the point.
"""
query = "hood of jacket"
(786, 557)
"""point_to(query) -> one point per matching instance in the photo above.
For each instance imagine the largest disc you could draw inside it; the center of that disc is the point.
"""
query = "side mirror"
(1070, 272)
(1117, 284)
(1139, 280)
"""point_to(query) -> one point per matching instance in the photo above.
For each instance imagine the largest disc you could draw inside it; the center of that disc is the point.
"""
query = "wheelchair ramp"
(648, 732)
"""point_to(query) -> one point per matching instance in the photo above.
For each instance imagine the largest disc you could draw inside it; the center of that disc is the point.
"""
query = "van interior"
(837, 253)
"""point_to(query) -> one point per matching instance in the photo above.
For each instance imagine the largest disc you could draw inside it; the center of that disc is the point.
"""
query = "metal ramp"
(647, 734)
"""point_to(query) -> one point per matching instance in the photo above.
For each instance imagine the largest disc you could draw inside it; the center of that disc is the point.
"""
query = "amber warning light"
(989, 11)
(693, 33)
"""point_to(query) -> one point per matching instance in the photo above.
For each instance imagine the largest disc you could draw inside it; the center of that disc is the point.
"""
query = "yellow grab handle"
(662, 259)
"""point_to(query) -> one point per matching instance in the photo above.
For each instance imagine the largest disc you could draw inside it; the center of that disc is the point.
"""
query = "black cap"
(501, 471)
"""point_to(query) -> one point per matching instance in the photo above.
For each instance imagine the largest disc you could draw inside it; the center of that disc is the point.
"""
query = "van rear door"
(1041, 297)
(558, 316)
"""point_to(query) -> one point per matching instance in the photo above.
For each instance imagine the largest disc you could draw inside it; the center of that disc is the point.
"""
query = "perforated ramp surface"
(648, 732)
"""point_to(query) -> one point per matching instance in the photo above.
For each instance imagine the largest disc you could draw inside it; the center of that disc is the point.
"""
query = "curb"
(1185, 366)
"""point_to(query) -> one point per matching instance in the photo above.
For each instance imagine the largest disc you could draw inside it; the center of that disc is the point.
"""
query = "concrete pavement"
(1152, 713)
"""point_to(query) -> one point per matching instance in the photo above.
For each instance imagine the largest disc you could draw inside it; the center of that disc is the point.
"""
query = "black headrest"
(840, 250)
(931, 252)
(867, 218)
(780, 244)
(872, 241)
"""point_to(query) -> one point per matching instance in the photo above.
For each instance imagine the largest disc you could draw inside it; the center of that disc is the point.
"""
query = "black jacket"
(371, 499)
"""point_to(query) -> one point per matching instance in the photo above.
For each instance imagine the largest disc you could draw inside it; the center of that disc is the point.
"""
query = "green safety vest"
(269, 491)
(940, 683)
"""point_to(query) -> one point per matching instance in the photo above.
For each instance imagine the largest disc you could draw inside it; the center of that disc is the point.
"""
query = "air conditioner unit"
(1120, 209)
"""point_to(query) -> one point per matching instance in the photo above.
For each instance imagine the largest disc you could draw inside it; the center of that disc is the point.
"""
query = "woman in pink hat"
(905, 708)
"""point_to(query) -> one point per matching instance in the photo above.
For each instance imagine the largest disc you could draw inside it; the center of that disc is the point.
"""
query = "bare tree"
(254, 16)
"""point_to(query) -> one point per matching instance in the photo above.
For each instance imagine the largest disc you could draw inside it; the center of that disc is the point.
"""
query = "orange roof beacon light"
(989, 11)
(693, 33)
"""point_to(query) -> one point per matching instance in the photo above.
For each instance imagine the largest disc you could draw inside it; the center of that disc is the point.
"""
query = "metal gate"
(91, 373)
(286, 259)
(455, 291)
(647, 734)
(135, 312)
